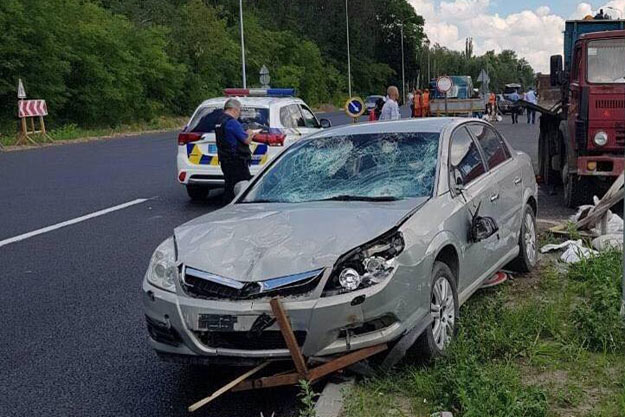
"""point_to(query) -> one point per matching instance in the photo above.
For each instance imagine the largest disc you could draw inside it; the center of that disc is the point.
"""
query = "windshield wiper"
(346, 197)
(258, 201)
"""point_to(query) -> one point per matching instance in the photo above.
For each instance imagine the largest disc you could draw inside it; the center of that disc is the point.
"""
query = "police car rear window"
(206, 118)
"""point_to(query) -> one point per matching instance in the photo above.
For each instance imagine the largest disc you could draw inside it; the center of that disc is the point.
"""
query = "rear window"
(207, 117)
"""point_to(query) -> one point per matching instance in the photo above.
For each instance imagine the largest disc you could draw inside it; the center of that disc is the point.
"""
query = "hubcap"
(530, 239)
(443, 311)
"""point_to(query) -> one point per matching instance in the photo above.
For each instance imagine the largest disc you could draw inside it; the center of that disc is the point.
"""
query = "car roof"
(427, 125)
(253, 101)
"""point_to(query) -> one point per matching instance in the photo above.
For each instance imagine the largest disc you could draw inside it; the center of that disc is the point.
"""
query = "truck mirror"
(555, 68)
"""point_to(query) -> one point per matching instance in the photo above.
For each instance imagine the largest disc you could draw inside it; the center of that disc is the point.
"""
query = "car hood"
(255, 242)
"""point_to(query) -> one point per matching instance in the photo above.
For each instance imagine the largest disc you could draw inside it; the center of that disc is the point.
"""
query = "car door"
(291, 119)
(472, 189)
(507, 174)
(311, 124)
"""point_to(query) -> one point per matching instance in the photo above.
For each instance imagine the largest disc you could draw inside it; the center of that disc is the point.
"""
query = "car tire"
(432, 343)
(197, 192)
(528, 250)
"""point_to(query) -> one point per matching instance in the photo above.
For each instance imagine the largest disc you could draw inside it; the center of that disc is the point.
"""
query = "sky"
(532, 28)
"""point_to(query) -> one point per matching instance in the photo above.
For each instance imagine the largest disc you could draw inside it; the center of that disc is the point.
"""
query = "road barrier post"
(31, 109)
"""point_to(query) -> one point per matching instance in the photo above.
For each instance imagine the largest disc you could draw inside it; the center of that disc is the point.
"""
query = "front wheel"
(577, 190)
(444, 311)
(526, 259)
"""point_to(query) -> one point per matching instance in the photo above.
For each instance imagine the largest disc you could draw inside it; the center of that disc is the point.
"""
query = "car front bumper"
(331, 324)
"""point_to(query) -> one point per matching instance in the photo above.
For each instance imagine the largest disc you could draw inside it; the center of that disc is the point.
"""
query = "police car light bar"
(259, 92)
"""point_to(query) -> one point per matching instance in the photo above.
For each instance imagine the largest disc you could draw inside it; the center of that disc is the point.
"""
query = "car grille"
(201, 284)
(268, 339)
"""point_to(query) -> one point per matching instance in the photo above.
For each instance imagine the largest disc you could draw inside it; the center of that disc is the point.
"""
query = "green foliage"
(596, 314)
(307, 399)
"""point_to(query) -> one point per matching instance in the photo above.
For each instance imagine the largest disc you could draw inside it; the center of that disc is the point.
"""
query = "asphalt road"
(73, 336)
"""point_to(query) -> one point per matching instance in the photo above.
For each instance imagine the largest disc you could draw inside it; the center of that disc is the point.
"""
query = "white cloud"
(533, 34)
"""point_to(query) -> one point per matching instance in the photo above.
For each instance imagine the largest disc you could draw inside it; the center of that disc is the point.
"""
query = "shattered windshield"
(372, 167)
(606, 61)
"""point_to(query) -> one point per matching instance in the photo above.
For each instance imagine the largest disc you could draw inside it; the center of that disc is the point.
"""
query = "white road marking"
(70, 222)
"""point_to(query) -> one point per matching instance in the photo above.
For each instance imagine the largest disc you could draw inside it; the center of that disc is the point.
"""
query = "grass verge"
(72, 132)
(544, 344)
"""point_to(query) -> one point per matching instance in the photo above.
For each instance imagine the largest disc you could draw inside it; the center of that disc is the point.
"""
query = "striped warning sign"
(32, 108)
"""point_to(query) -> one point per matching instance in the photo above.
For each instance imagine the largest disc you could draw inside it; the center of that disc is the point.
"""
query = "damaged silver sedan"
(365, 232)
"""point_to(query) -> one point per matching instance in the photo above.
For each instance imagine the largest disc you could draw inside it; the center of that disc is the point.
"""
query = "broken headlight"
(162, 271)
(365, 265)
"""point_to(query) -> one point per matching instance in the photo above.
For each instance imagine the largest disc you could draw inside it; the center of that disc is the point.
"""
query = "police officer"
(233, 148)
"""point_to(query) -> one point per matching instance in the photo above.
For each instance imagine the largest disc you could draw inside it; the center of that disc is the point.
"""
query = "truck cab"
(587, 146)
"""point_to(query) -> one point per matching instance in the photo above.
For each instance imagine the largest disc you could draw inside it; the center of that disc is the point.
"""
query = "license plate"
(216, 322)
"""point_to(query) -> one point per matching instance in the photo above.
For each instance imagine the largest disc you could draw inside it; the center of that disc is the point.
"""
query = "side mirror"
(555, 70)
(325, 123)
(483, 228)
(240, 186)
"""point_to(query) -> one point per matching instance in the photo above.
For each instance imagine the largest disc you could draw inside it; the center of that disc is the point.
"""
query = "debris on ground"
(602, 227)
(498, 278)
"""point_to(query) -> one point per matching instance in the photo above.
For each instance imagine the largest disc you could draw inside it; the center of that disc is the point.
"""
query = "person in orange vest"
(425, 112)
(417, 104)
(492, 103)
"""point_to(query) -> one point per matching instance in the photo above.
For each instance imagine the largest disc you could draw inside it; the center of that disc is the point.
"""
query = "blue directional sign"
(355, 107)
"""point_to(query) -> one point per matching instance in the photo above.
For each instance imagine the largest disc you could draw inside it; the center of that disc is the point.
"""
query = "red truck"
(582, 137)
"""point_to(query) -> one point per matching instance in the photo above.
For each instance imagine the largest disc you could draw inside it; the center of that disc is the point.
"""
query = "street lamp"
(349, 67)
(403, 78)
(242, 42)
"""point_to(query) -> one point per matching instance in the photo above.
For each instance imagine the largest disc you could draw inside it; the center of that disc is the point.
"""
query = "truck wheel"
(577, 190)
(197, 192)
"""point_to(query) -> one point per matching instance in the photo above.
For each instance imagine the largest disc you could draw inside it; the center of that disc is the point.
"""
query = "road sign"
(21, 93)
(483, 77)
(355, 107)
(444, 84)
(264, 77)
(32, 108)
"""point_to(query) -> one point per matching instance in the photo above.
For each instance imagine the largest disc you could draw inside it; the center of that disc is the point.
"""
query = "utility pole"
(242, 43)
(429, 73)
(349, 66)
(403, 78)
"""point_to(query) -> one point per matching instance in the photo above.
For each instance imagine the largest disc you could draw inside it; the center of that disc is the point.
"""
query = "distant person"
(492, 104)
(390, 111)
(233, 148)
(530, 97)
(514, 111)
(425, 112)
(379, 104)
(417, 104)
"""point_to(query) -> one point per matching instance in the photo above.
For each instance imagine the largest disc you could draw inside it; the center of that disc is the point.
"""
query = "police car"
(281, 119)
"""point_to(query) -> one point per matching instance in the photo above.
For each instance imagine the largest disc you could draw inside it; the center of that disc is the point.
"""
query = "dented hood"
(255, 242)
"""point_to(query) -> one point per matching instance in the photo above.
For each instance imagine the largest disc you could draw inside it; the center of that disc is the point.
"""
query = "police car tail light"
(259, 92)
(271, 139)
(186, 137)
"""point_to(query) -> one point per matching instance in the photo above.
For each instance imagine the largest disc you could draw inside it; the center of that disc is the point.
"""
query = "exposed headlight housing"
(162, 271)
(601, 138)
(365, 265)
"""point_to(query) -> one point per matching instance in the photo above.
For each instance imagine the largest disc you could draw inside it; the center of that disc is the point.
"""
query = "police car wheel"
(197, 192)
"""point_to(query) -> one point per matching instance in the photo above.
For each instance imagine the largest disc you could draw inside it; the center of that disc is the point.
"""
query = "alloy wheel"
(443, 311)
(530, 239)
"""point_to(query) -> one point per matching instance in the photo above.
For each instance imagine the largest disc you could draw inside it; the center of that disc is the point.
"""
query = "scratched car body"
(365, 232)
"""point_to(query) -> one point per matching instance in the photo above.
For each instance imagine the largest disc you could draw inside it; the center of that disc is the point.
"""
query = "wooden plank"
(227, 387)
(344, 361)
(289, 336)
(269, 381)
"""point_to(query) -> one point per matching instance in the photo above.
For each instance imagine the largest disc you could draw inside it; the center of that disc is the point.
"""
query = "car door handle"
(494, 197)
(517, 181)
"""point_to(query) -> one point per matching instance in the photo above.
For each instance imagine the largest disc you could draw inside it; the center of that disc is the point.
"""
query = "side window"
(465, 161)
(577, 57)
(285, 117)
(309, 118)
(296, 115)
(495, 150)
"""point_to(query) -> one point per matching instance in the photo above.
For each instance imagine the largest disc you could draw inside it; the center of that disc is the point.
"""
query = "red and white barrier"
(32, 108)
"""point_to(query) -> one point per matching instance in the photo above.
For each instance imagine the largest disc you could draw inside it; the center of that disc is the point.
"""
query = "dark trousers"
(515, 116)
(531, 116)
(234, 171)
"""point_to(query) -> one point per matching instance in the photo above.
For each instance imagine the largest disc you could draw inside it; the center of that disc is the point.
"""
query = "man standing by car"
(233, 148)
(530, 97)
(390, 111)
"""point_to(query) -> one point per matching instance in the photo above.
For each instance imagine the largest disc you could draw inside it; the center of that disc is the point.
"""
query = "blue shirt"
(234, 132)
